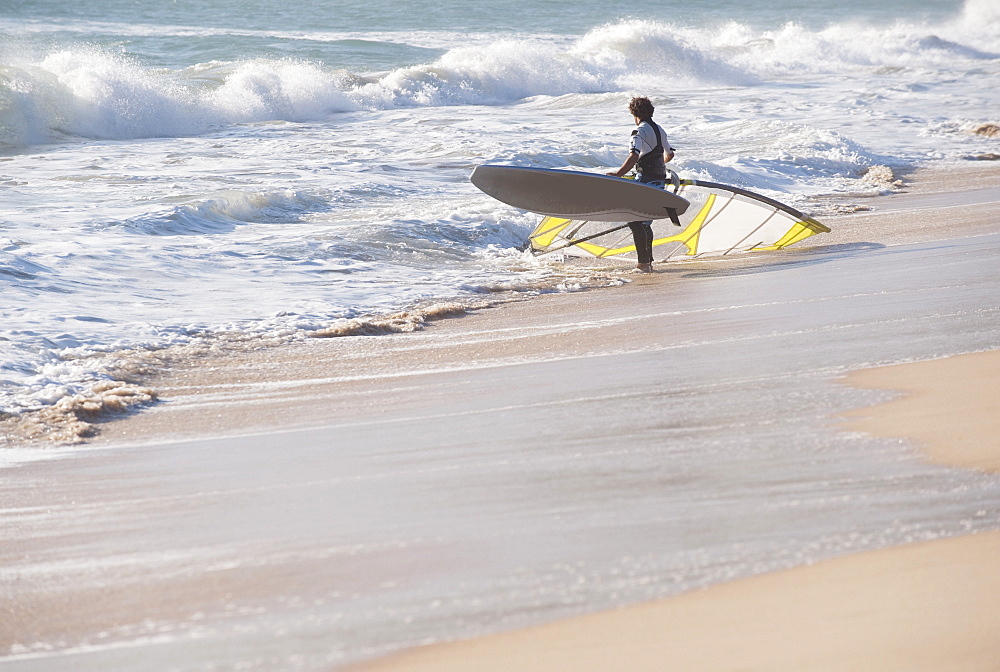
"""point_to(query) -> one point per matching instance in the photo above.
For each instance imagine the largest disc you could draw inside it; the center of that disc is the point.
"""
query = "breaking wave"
(92, 92)
(227, 210)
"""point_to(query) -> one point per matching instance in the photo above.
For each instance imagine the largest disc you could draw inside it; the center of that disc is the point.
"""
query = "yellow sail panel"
(815, 226)
(547, 231)
(799, 232)
(599, 251)
(721, 220)
(571, 237)
(689, 236)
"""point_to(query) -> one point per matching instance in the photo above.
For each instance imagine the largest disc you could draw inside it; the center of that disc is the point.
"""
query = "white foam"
(103, 94)
(275, 195)
(94, 93)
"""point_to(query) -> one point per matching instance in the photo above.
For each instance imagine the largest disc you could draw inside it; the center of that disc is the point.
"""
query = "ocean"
(180, 175)
(172, 171)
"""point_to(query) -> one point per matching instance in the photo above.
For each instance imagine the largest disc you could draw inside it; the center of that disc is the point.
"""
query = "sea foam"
(94, 92)
(363, 207)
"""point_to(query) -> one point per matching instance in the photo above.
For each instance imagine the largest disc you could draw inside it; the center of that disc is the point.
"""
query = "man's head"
(641, 108)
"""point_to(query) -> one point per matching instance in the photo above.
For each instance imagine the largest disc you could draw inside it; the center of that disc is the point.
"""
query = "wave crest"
(94, 93)
(227, 210)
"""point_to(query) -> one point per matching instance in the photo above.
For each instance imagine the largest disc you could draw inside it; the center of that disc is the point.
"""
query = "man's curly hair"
(641, 107)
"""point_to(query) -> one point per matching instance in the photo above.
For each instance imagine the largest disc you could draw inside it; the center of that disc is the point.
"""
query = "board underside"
(576, 195)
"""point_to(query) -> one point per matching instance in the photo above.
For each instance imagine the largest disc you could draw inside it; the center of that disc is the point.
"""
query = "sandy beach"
(930, 606)
(925, 607)
(951, 407)
(277, 494)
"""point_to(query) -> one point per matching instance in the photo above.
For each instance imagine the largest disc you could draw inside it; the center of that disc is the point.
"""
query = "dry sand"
(928, 607)
(951, 407)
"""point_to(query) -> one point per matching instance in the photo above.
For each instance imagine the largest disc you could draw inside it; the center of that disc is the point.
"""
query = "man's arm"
(633, 158)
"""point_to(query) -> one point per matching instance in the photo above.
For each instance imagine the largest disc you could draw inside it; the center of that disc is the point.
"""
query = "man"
(649, 152)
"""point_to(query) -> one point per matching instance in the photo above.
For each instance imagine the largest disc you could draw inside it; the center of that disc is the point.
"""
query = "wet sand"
(930, 607)
(921, 608)
(187, 520)
(321, 381)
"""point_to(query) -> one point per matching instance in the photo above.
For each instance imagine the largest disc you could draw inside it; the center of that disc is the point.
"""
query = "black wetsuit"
(651, 170)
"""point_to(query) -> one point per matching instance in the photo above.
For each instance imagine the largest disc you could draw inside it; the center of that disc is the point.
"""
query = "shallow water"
(170, 172)
(509, 489)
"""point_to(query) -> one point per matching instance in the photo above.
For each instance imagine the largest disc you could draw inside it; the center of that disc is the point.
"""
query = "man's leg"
(642, 236)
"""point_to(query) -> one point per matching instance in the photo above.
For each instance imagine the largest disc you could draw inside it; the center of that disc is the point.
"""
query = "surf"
(95, 92)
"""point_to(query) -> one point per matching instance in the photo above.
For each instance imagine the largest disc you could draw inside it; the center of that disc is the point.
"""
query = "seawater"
(175, 171)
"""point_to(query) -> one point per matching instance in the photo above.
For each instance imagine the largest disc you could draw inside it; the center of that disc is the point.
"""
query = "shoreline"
(286, 486)
(144, 379)
(927, 192)
(924, 606)
(928, 607)
(931, 606)
(950, 408)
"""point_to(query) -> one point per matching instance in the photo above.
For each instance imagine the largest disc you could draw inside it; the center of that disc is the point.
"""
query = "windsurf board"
(576, 195)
